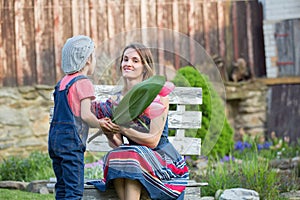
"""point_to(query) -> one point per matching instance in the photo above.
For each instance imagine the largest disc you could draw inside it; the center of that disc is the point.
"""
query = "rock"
(39, 186)
(207, 198)
(294, 195)
(285, 163)
(296, 161)
(239, 194)
(18, 185)
(218, 193)
(44, 190)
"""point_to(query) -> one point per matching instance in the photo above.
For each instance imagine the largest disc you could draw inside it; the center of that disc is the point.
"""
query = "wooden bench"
(179, 119)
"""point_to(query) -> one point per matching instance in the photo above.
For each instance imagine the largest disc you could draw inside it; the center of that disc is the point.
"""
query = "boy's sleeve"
(85, 89)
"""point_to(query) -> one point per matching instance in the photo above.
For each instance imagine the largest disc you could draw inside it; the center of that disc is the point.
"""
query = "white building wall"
(276, 11)
(281, 9)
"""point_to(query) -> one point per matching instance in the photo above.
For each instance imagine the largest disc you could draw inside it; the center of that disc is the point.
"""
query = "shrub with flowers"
(94, 170)
(274, 148)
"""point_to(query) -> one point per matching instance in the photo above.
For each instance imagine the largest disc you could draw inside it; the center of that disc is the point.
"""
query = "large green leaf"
(138, 99)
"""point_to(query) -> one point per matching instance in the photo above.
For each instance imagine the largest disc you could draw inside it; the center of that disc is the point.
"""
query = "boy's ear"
(89, 60)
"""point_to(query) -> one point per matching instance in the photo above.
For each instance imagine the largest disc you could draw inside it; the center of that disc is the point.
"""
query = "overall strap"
(57, 85)
(74, 80)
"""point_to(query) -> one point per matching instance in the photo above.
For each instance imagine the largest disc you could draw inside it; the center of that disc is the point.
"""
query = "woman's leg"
(133, 189)
(119, 184)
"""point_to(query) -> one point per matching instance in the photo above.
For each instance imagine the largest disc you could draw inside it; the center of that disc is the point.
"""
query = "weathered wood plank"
(221, 28)
(191, 28)
(8, 74)
(284, 114)
(235, 32)
(3, 62)
(284, 44)
(192, 191)
(250, 39)
(115, 10)
(184, 119)
(183, 95)
(187, 145)
(25, 44)
(184, 145)
(102, 44)
(102, 20)
(257, 36)
(229, 54)
(80, 17)
(206, 27)
(93, 7)
(296, 33)
(180, 95)
(168, 35)
(62, 30)
(242, 38)
(211, 30)
(44, 43)
(148, 19)
(175, 11)
(90, 193)
(280, 80)
(198, 25)
(183, 28)
(132, 20)
(160, 37)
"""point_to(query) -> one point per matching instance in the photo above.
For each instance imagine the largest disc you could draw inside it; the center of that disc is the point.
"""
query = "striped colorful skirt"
(162, 172)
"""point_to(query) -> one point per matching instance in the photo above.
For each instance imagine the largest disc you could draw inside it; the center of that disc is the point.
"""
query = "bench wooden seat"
(179, 119)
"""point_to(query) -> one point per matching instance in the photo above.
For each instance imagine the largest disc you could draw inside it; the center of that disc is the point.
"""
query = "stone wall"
(24, 115)
(246, 104)
(24, 119)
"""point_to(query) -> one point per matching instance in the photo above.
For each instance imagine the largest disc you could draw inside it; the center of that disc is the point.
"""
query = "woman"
(149, 160)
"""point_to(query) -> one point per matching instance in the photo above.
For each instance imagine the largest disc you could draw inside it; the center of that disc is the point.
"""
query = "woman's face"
(131, 65)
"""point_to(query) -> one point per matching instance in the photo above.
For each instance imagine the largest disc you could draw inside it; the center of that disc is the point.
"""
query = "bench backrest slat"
(186, 96)
(184, 119)
(180, 95)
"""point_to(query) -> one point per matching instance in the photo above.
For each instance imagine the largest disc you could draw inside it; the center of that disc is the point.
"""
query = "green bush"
(36, 167)
(189, 76)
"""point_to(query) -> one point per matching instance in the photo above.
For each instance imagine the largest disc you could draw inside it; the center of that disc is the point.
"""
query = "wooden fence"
(284, 112)
(32, 33)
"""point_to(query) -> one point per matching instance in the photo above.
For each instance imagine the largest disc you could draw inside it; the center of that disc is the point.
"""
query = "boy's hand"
(108, 127)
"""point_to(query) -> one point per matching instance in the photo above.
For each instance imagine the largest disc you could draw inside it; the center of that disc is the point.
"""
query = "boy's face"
(92, 64)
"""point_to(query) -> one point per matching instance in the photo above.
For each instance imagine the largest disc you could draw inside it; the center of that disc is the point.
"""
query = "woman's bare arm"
(150, 139)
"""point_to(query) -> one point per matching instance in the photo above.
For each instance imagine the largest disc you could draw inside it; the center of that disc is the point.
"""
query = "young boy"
(72, 117)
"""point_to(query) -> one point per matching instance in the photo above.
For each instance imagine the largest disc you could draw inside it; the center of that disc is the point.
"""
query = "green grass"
(23, 195)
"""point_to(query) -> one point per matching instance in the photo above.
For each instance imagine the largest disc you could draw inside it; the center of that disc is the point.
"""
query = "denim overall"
(66, 146)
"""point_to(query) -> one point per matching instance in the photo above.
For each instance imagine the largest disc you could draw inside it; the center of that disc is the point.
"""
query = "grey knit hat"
(75, 53)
